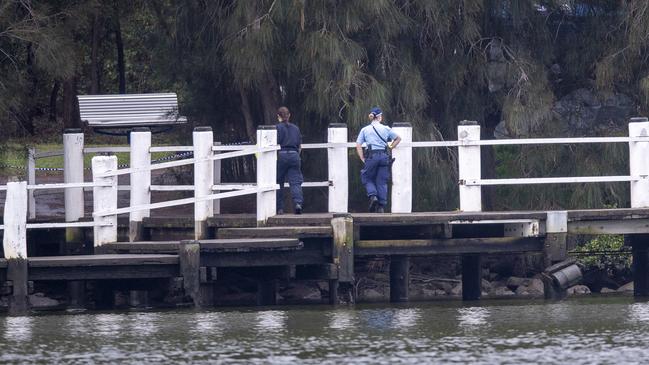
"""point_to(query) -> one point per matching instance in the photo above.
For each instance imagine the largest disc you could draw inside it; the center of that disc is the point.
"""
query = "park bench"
(130, 110)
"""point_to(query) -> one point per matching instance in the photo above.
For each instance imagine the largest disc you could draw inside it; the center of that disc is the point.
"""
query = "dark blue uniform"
(376, 171)
(288, 163)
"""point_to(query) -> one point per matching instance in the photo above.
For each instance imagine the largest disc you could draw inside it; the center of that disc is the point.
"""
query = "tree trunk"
(247, 115)
(269, 92)
(29, 109)
(488, 159)
(54, 96)
(71, 118)
(95, 80)
(121, 70)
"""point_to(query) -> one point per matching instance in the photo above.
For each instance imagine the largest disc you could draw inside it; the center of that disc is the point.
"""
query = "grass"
(14, 155)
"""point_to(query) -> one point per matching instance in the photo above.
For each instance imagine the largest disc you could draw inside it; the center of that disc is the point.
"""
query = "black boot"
(298, 209)
(380, 209)
(374, 203)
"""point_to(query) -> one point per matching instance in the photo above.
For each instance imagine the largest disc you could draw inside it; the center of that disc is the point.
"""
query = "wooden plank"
(622, 226)
(279, 232)
(440, 217)
(218, 245)
(168, 222)
(103, 272)
(103, 260)
(448, 246)
(232, 220)
(607, 214)
(250, 245)
(307, 219)
(271, 258)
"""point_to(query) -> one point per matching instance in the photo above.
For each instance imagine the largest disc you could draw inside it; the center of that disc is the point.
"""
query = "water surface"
(583, 331)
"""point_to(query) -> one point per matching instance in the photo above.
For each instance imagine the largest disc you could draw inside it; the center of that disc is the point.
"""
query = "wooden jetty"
(191, 252)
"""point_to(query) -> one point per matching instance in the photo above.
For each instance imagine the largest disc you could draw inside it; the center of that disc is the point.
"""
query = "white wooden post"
(203, 179)
(469, 166)
(217, 180)
(140, 181)
(31, 180)
(338, 163)
(104, 200)
(266, 173)
(73, 173)
(14, 240)
(402, 170)
(639, 163)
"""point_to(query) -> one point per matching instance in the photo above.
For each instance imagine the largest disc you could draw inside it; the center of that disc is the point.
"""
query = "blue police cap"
(376, 111)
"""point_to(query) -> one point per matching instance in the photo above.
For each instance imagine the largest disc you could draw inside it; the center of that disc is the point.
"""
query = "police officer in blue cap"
(378, 139)
(288, 161)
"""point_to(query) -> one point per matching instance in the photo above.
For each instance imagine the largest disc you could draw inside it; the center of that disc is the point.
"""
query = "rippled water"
(584, 331)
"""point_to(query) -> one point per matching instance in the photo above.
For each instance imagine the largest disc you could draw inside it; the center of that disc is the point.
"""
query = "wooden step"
(276, 232)
(307, 219)
(102, 260)
(218, 245)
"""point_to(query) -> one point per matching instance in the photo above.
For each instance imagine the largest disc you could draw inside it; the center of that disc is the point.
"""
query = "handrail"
(548, 180)
(173, 203)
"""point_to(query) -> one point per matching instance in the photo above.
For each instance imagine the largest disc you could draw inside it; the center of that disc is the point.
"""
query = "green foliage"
(611, 263)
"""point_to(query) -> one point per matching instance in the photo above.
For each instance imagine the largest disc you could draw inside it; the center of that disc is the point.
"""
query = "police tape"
(120, 166)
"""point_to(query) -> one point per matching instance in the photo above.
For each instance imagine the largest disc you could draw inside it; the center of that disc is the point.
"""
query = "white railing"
(208, 189)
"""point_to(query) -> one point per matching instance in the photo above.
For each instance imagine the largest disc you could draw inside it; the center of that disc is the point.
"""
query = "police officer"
(288, 161)
(378, 139)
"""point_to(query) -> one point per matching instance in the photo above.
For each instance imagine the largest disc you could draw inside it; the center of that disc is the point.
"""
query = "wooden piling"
(338, 171)
(640, 252)
(189, 257)
(104, 200)
(14, 243)
(267, 292)
(140, 139)
(469, 166)
(203, 179)
(266, 174)
(399, 278)
(402, 170)
(556, 233)
(471, 277)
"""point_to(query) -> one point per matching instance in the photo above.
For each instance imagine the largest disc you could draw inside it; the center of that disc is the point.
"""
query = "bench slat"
(125, 110)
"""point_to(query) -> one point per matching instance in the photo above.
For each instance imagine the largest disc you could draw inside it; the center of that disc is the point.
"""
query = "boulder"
(514, 282)
(370, 294)
(626, 287)
(299, 291)
(457, 290)
(501, 291)
(39, 300)
(606, 290)
(485, 285)
(535, 287)
(577, 290)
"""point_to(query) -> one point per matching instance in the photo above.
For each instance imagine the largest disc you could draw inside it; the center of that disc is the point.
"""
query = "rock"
(514, 282)
(39, 300)
(606, 290)
(577, 290)
(626, 287)
(584, 110)
(457, 290)
(535, 287)
(485, 285)
(370, 294)
(301, 291)
(522, 290)
(501, 291)
(439, 293)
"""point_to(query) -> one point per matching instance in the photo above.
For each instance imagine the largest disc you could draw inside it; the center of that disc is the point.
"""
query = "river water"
(577, 331)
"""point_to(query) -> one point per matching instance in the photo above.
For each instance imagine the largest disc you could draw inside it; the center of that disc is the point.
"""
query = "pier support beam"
(267, 292)
(140, 181)
(73, 197)
(189, 256)
(338, 162)
(14, 244)
(556, 233)
(471, 277)
(343, 257)
(399, 278)
(402, 170)
(104, 200)
(266, 174)
(203, 179)
(640, 251)
(468, 157)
